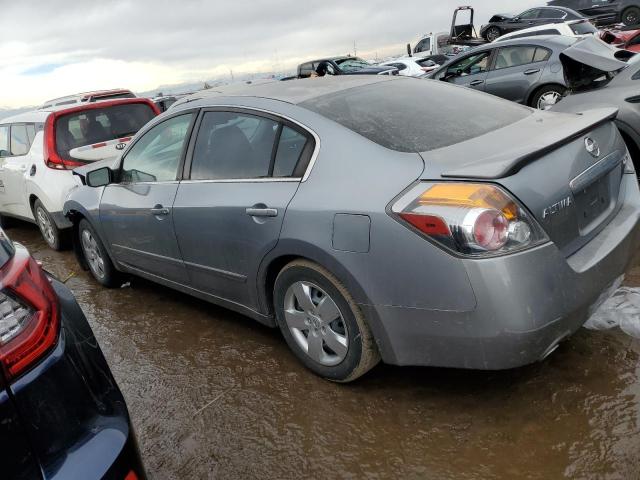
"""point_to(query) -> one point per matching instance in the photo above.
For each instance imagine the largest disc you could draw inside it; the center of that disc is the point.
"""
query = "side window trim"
(307, 158)
(194, 112)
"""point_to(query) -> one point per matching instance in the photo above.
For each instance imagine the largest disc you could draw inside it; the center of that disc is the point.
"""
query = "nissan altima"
(372, 218)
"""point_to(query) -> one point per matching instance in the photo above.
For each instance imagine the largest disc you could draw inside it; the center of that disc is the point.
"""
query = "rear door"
(606, 9)
(471, 71)
(245, 169)
(516, 70)
(136, 212)
(14, 169)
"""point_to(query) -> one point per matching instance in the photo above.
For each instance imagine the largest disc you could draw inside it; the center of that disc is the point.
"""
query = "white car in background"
(572, 28)
(418, 65)
(39, 150)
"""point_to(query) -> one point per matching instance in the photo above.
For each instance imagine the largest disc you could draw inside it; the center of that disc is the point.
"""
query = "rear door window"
(551, 14)
(233, 145)
(410, 115)
(96, 125)
(514, 56)
(156, 155)
(19, 139)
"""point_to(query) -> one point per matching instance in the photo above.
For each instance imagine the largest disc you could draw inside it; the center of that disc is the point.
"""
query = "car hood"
(589, 60)
(501, 17)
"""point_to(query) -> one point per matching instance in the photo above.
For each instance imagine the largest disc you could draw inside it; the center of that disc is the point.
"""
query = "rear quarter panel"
(356, 176)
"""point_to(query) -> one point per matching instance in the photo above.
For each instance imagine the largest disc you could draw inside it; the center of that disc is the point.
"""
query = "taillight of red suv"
(29, 314)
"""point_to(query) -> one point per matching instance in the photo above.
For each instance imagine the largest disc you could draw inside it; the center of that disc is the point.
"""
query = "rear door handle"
(262, 212)
(532, 71)
(160, 210)
(476, 82)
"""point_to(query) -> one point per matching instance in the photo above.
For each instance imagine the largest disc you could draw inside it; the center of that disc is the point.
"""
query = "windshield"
(352, 64)
(97, 125)
(410, 115)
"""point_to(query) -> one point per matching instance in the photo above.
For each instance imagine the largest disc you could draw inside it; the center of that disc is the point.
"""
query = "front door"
(136, 213)
(228, 213)
(516, 71)
(471, 71)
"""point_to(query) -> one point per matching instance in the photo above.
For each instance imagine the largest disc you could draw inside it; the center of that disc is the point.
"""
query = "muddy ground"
(213, 394)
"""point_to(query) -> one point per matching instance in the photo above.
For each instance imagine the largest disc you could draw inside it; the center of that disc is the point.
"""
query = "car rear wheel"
(96, 257)
(492, 33)
(48, 228)
(631, 16)
(547, 97)
(322, 324)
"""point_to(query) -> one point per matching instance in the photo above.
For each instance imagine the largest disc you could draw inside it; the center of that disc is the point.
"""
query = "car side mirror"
(100, 177)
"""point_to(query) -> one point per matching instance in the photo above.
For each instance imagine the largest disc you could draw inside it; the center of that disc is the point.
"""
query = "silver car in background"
(368, 218)
(523, 70)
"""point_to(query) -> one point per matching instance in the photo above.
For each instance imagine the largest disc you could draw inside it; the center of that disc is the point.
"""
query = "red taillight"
(52, 159)
(131, 475)
(29, 314)
(473, 219)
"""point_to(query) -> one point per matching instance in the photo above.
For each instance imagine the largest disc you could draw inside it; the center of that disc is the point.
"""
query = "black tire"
(631, 16)
(546, 90)
(492, 33)
(361, 351)
(52, 235)
(5, 222)
(108, 276)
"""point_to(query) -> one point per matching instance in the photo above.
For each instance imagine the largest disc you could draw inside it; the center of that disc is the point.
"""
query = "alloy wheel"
(631, 17)
(316, 323)
(492, 34)
(548, 100)
(92, 253)
(46, 228)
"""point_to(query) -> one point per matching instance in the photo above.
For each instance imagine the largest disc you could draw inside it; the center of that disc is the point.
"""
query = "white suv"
(39, 149)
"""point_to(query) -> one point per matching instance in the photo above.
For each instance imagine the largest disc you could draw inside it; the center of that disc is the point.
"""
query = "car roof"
(33, 116)
(289, 91)
(563, 9)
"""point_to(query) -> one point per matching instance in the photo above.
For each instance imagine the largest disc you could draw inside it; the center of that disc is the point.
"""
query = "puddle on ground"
(213, 394)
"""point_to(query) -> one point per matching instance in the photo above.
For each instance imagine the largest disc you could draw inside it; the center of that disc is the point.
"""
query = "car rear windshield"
(352, 64)
(583, 28)
(411, 115)
(97, 125)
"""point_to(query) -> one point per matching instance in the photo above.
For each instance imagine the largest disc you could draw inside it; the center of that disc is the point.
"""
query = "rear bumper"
(73, 411)
(526, 303)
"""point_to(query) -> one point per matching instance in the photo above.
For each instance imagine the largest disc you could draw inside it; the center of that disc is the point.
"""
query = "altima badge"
(557, 207)
(592, 147)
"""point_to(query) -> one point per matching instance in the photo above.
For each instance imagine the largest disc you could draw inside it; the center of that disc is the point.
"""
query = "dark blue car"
(62, 415)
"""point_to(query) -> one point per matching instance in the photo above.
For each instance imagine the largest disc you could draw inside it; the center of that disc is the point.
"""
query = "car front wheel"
(631, 16)
(96, 257)
(322, 324)
(492, 34)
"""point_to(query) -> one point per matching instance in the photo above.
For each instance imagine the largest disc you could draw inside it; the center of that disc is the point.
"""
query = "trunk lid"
(590, 63)
(565, 169)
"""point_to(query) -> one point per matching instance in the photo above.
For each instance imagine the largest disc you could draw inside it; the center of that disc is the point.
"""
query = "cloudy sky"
(56, 47)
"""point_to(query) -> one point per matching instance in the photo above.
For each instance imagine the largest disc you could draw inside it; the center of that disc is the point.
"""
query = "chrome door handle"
(476, 82)
(532, 71)
(262, 212)
(160, 211)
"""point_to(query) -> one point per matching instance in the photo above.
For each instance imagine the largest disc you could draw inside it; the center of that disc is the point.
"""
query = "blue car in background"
(62, 415)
